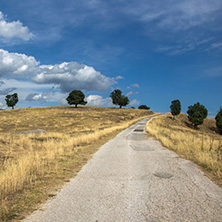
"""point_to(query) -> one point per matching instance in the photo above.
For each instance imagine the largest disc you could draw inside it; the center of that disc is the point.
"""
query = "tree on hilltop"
(118, 98)
(196, 114)
(144, 107)
(218, 119)
(175, 108)
(76, 97)
(11, 100)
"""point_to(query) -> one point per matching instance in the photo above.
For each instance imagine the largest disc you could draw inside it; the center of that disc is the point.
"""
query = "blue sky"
(154, 51)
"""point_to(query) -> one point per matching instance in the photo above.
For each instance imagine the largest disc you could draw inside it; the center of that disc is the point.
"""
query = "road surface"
(134, 178)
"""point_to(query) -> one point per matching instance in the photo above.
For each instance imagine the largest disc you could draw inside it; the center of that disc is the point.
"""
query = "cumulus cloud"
(16, 64)
(40, 97)
(96, 100)
(15, 29)
(7, 90)
(72, 75)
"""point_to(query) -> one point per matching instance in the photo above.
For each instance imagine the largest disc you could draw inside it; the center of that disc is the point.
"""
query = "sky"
(154, 51)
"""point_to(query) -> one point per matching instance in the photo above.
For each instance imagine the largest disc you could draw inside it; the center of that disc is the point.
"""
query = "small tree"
(218, 119)
(196, 114)
(118, 98)
(76, 97)
(11, 100)
(144, 107)
(175, 108)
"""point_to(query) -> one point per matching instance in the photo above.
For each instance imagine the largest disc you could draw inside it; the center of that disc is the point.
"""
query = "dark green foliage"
(144, 107)
(11, 100)
(197, 113)
(175, 108)
(118, 98)
(76, 97)
(218, 119)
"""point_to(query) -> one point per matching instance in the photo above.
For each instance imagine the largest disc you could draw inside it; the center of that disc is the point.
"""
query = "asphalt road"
(134, 178)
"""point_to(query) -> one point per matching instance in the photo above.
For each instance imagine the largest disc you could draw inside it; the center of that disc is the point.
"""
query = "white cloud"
(173, 14)
(134, 102)
(135, 85)
(96, 100)
(119, 77)
(70, 76)
(129, 94)
(41, 97)
(15, 29)
(16, 64)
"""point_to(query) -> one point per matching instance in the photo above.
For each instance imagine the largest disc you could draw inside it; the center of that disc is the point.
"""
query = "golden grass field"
(32, 166)
(203, 145)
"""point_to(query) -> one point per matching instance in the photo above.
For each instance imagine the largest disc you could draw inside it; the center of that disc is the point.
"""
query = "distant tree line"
(196, 113)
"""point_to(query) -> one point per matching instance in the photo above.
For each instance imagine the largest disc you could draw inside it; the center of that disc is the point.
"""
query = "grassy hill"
(32, 166)
(203, 145)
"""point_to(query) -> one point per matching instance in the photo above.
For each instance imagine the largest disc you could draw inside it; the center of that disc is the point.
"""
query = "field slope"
(202, 146)
(32, 166)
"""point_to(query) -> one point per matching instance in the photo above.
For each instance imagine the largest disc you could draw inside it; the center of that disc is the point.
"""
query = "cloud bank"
(68, 75)
(73, 75)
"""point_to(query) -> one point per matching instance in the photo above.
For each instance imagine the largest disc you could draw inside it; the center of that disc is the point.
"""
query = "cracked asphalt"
(134, 178)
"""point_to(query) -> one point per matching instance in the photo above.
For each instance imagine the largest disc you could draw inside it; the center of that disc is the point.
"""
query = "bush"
(175, 108)
(144, 107)
(218, 119)
(197, 113)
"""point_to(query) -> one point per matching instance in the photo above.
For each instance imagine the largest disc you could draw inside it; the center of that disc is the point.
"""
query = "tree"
(11, 100)
(143, 107)
(76, 97)
(118, 98)
(196, 114)
(175, 108)
(218, 119)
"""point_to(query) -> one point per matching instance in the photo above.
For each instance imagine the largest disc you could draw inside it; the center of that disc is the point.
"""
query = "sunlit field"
(202, 145)
(30, 165)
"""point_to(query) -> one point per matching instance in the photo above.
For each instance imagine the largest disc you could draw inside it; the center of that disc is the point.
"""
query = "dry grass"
(202, 145)
(29, 162)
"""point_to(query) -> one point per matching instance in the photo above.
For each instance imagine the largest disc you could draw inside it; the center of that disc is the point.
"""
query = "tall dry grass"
(28, 162)
(36, 153)
(202, 146)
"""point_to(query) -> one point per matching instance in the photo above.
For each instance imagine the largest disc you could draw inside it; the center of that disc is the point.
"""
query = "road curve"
(134, 178)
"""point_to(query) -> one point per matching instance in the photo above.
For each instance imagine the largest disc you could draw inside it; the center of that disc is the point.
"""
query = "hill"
(202, 145)
(33, 166)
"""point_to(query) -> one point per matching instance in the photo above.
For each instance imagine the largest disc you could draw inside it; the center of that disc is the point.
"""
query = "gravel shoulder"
(134, 178)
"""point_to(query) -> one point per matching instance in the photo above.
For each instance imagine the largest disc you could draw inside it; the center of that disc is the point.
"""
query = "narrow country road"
(134, 178)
